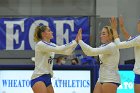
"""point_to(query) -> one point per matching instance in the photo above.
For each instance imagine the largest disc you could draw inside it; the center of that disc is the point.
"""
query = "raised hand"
(78, 36)
(113, 23)
(76, 39)
(123, 29)
(138, 25)
(121, 21)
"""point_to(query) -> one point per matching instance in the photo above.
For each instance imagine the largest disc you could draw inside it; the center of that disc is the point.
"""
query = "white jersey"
(132, 42)
(109, 56)
(44, 54)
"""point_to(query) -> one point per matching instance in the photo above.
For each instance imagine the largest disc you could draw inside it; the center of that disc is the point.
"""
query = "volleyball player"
(131, 42)
(44, 54)
(109, 79)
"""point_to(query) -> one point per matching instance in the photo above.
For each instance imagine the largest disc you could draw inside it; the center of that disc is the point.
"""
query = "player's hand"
(121, 21)
(76, 39)
(138, 25)
(80, 34)
(113, 23)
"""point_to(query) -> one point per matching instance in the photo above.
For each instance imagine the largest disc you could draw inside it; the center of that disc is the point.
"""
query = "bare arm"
(113, 23)
(123, 29)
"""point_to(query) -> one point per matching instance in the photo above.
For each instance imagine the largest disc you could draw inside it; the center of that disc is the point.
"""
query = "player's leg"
(39, 87)
(109, 88)
(41, 84)
(98, 88)
(137, 88)
(50, 89)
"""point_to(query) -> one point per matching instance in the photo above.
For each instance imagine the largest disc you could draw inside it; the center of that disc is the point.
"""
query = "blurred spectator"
(79, 56)
(60, 60)
(74, 61)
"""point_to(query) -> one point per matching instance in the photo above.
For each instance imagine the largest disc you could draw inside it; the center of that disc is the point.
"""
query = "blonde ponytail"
(36, 34)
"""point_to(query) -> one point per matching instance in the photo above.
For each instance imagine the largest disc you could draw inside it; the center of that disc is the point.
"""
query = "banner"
(127, 82)
(64, 81)
(17, 33)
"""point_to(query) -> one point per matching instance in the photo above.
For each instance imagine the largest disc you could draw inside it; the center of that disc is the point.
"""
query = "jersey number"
(50, 60)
